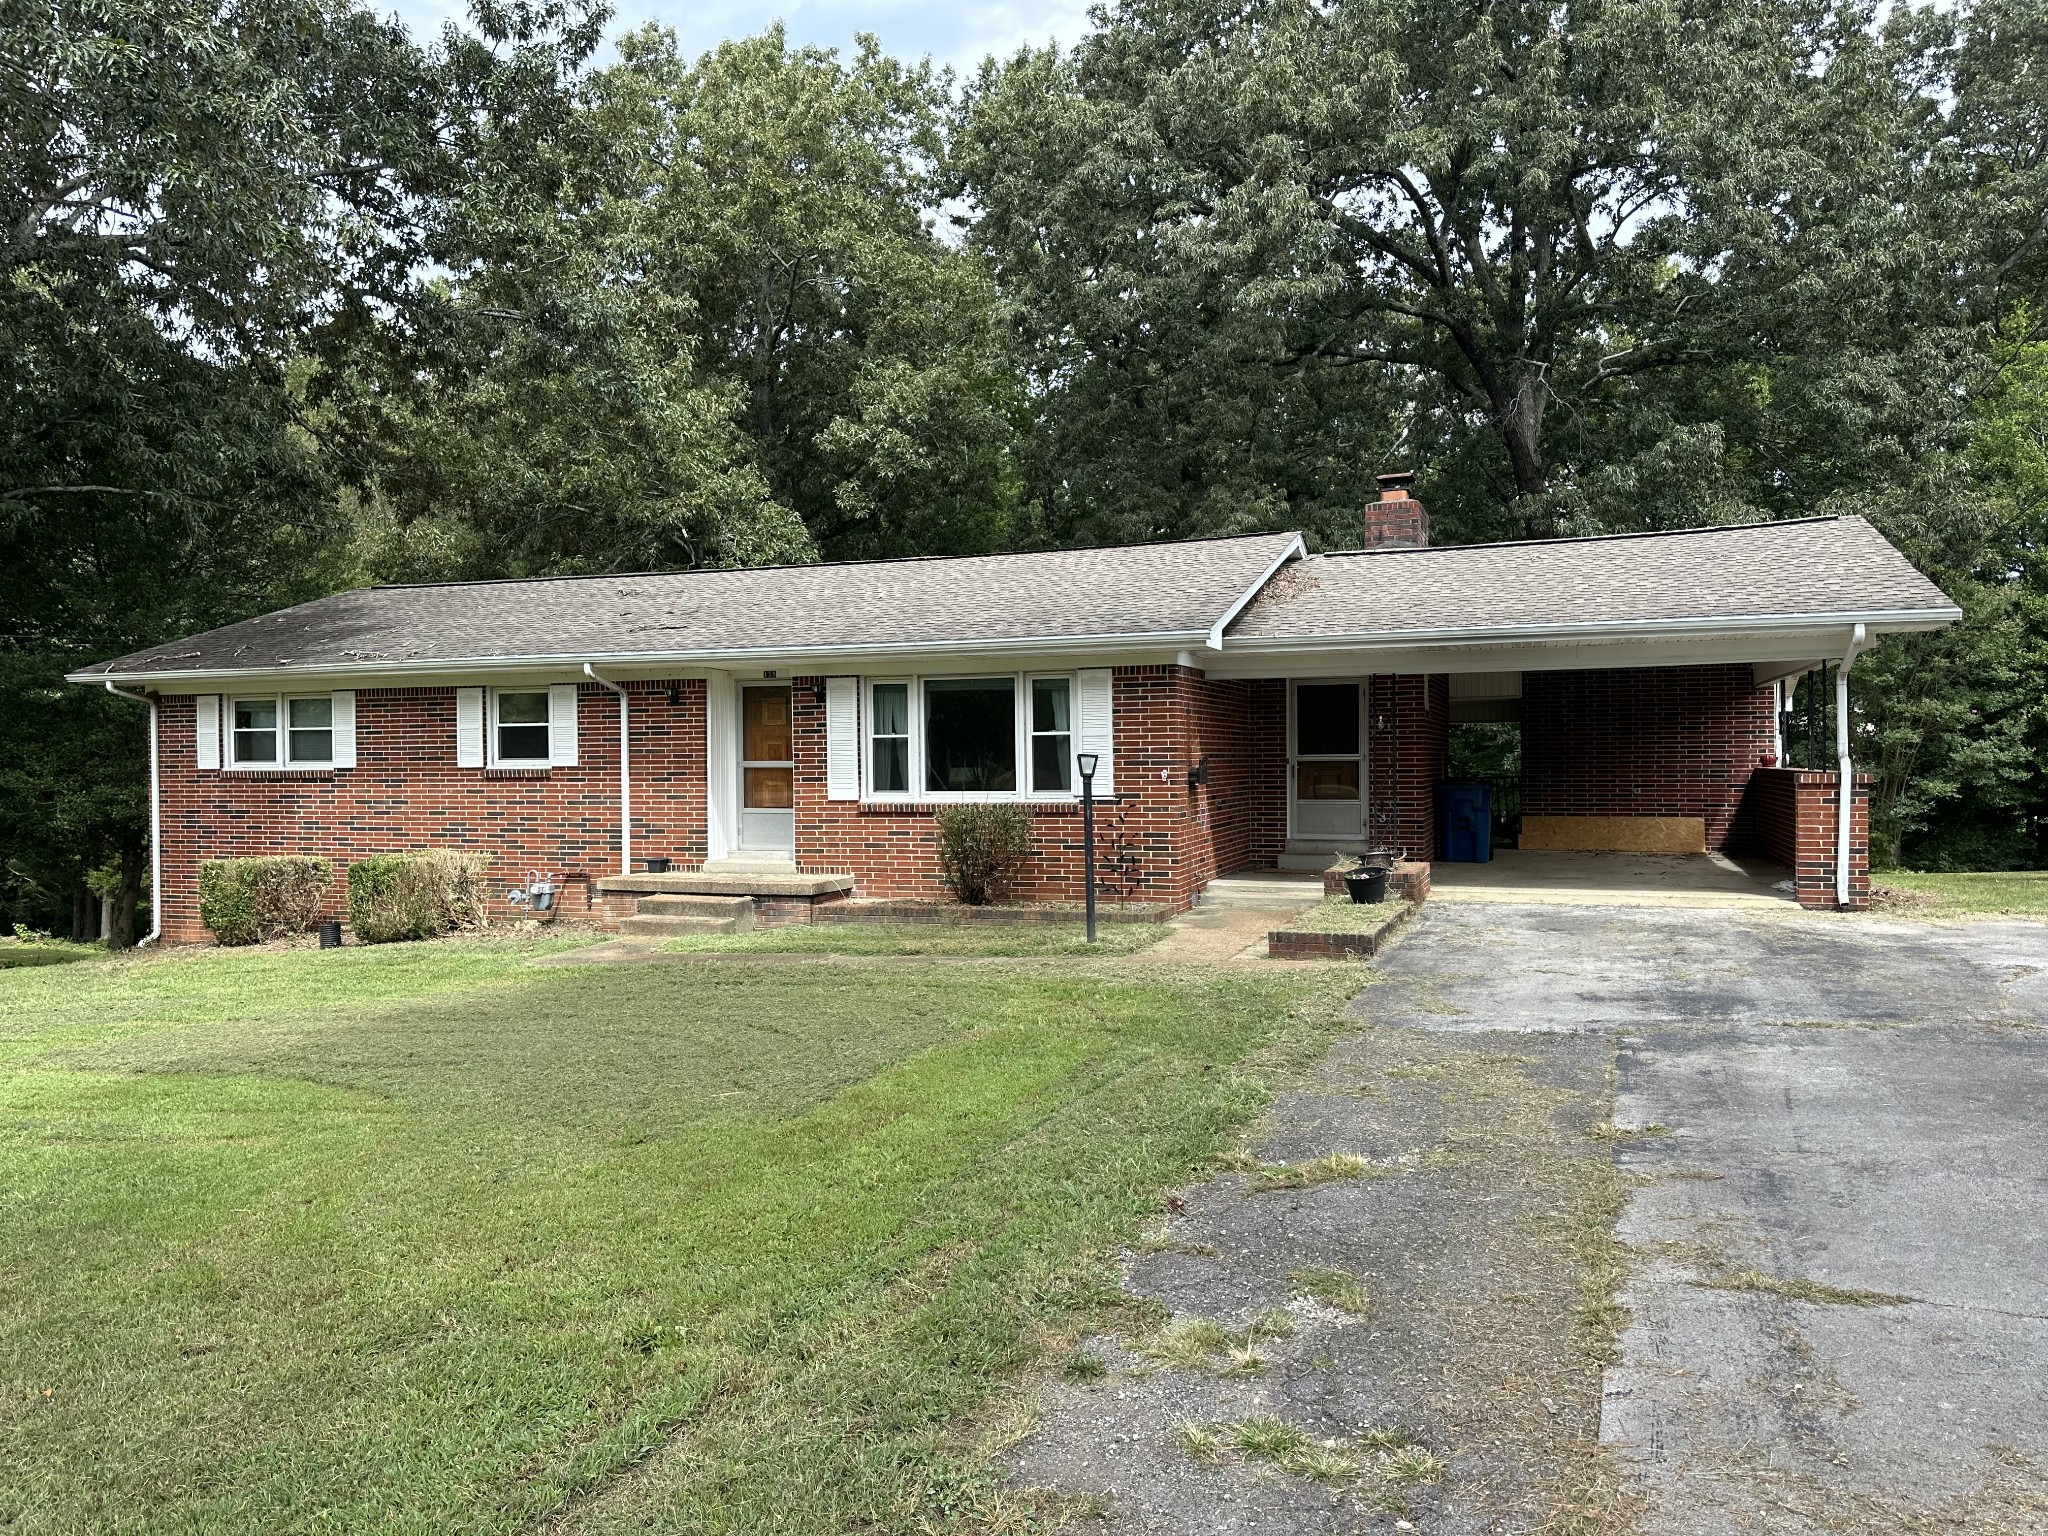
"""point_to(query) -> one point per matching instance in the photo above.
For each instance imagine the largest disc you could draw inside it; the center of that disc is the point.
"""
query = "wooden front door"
(767, 770)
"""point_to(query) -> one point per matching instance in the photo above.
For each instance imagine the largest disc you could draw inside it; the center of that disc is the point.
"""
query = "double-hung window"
(889, 739)
(1052, 736)
(519, 727)
(306, 726)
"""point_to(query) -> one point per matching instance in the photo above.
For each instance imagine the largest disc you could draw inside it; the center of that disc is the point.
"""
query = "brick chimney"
(1396, 520)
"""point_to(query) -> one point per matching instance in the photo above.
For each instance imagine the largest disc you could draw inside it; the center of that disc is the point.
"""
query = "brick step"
(676, 927)
(736, 907)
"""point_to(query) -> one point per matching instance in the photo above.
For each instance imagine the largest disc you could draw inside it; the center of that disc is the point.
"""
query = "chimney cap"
(1396, 484)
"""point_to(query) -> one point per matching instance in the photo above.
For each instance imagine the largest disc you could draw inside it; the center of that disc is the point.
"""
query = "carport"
(1643, 678)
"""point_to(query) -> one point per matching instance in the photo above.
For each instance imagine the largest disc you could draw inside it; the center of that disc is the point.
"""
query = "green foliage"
(982, 849)
(704, 320)
(420, 895)
(251, 901)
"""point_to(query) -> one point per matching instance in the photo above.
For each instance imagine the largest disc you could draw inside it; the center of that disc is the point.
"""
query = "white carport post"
(156, 857)
(1845, 790)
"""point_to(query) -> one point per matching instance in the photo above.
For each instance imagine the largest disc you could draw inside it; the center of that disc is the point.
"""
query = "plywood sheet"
(1615, 834)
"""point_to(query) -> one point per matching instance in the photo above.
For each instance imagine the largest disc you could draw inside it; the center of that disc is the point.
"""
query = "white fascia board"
(1889, 621)
(1786, 650)
(1294, 551)
(926, 656)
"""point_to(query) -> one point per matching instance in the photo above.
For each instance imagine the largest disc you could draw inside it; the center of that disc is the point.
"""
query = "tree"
(1508, 215)
(702, 318)
(193, 196)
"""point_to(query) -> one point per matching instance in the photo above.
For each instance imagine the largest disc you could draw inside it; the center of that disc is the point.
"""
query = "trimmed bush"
(248, 901)
(416, 895)
(982, 849)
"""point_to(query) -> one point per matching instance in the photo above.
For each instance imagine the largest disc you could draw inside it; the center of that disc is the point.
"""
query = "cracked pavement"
(1835, 1219)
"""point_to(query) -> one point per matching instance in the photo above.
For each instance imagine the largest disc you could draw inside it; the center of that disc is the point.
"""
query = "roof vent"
(1396, 520)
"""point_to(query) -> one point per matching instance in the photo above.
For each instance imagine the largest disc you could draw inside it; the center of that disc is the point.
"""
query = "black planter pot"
(1368, 887)
(330, 935)
(657, 866)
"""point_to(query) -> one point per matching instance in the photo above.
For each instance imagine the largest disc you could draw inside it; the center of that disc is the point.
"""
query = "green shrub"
(247, 901)
(982, 849)
(416, 895)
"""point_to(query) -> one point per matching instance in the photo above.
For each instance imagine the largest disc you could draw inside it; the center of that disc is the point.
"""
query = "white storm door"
(1326, 763)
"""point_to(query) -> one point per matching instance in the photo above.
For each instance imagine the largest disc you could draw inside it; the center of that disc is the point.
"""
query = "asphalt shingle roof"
(1165, 590)
(1806, 567)
(1165, 593)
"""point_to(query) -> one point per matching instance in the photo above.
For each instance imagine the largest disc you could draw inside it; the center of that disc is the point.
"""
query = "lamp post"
(1087, 762)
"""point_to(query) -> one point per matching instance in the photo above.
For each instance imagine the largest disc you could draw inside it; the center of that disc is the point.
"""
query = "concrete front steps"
(673, 916)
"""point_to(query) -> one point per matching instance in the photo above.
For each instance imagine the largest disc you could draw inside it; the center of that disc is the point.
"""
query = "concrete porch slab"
(1614, 879)
(728, 883)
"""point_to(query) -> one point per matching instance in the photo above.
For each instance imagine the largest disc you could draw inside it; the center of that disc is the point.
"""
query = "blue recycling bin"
(1464, 823)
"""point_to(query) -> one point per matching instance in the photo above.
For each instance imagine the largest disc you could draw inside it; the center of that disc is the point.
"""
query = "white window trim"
(492, 758)
(282, 734)
(1020, 693)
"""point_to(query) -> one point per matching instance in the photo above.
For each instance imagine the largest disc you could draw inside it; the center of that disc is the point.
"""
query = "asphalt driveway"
(1822, 1143)
(1838, 1223)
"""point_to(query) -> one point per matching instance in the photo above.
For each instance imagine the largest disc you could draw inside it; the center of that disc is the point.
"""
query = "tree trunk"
(1521, 431)
(121, 911)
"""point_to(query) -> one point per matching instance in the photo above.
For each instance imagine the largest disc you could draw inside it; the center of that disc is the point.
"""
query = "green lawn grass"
(423, 1238)
(960, 939)
(2020, 893)
(16, 953)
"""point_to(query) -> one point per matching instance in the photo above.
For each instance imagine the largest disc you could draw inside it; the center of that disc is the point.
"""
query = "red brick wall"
(1649, 741)
(406, 792)
(1789, 816)
(1410, 735)
(1266, 746)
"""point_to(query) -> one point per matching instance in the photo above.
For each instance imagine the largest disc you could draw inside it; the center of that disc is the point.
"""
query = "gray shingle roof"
(1803, 568)
(1169, 592)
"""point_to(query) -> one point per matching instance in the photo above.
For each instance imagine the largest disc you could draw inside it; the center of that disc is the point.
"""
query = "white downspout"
(625, 771)
(1845, 790)
(156, 855)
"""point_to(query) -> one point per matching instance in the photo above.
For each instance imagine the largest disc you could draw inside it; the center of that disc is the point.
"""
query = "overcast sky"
(956, 32)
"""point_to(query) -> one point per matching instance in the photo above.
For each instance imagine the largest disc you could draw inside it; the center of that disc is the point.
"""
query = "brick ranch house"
(789, 732)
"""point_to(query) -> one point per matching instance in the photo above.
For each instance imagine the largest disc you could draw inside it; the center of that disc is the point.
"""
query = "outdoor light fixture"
(1086, 762)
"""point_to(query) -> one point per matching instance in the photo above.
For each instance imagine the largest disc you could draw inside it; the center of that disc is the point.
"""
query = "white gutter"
(1295, 551)
(625, 771)
(1477, 636)
(1164, 642)
(1845, 789)
(156, 856)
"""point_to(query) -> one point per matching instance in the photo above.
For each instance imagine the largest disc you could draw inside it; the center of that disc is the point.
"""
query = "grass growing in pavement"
(2022, 893)
(421, 1237)
(956, 939)
(1798, 1288)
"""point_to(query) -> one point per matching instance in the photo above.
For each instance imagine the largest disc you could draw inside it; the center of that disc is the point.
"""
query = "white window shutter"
(1095, 725)
(562, 725)
(207, 718)
(343, 717)
(469, 727)
(842, 738)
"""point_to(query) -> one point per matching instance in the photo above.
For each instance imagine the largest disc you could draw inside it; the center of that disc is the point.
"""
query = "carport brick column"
(1793, 811)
